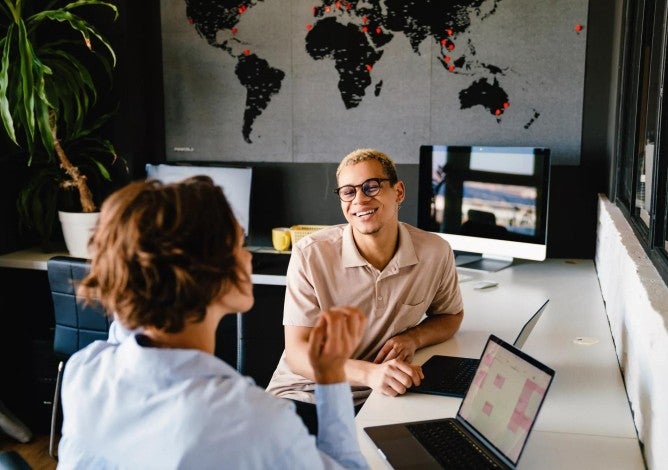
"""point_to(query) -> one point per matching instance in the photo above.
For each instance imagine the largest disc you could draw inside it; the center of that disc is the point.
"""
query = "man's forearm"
(357, 371)
(434, 329)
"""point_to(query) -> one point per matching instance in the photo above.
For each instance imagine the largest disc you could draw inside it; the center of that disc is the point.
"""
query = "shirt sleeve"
(336, 445)
(337, 436)
(448, 298)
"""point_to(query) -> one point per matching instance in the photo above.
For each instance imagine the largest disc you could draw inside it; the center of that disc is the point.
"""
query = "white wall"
(636, 300)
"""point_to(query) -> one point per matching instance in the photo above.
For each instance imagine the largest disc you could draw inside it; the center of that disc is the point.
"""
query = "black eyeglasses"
(370, 188)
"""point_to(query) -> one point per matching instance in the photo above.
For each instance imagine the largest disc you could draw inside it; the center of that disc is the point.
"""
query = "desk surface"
(586, 419)
(269, 265)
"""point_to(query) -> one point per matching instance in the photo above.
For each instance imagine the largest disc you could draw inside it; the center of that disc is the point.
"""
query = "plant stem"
(77, 179)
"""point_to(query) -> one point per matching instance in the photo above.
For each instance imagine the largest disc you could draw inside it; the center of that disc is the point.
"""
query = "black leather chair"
(76, 325)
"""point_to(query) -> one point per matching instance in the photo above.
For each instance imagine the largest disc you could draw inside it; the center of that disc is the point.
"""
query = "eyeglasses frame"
(361, 186)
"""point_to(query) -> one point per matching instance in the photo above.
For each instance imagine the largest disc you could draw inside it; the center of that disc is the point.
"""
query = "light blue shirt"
(136, 407)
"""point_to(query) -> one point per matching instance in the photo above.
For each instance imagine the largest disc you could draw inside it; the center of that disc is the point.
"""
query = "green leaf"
(78, 24)
(27, 83)
(102, 169)
(6, 115)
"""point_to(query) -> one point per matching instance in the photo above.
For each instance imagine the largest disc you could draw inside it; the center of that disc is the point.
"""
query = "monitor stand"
(481, 262)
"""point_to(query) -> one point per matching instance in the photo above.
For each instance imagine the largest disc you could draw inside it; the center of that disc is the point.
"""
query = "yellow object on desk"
(280, 238)
(300, 231)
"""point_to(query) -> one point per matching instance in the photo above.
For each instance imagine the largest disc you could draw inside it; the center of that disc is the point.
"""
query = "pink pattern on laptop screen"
(519, 418)
(499, 380)
(487, 408)
(479, 378)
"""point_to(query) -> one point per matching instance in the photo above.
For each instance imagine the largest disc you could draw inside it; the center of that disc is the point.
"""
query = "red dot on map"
(191, 21)
(446, 58)
(443, 41)
(315, 10)
(378, 30)
(368, 67)
(451, 68)
(498, 112)
(242, 8)
(246, 52)
(327, 9)
(365, 19)
(449, 31)
(309, 26)
(505, 105)
(348, 6)
(234, 30)
(451, 46)
(338, 5)
(578, 27)
(365, 29)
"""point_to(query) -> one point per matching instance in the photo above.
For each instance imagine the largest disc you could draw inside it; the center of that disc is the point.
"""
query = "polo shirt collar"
(405, 255)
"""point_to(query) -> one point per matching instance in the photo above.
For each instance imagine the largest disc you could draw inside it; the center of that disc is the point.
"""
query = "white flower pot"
(77, 229)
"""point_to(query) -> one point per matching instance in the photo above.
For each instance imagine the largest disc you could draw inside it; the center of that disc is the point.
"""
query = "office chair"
(76, 325)
(12, 460)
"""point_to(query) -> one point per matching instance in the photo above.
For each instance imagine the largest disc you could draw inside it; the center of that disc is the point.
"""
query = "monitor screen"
(236, 184)
(490, 202)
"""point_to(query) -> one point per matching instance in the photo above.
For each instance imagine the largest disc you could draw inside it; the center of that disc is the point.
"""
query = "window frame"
(639, 117)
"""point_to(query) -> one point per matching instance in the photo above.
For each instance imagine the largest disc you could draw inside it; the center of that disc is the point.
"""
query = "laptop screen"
(503, 401)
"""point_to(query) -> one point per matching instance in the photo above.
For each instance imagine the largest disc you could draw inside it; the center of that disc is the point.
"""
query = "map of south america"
(352, 36)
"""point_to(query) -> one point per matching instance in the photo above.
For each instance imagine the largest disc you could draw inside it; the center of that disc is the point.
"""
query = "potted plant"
(52, 58)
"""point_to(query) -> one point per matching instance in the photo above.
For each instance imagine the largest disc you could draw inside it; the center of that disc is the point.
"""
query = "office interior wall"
(285, 194)
(259, 83)
(636, 301)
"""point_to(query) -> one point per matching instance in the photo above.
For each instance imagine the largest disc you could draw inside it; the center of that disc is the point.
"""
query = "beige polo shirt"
(327, 270)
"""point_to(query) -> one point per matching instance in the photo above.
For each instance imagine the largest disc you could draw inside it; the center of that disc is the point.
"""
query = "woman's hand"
(332, 342)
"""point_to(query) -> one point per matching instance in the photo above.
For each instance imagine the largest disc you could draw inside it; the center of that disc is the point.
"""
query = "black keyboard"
(451, 446)
(462, 379)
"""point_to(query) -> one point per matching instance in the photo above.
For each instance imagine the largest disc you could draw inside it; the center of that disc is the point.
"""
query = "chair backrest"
(76, 325)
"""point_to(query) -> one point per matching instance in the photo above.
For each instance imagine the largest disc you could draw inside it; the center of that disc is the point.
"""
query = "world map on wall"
(351, 35)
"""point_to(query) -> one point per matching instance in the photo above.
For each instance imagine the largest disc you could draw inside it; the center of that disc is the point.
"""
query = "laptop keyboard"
(462, 379)
(450, 446)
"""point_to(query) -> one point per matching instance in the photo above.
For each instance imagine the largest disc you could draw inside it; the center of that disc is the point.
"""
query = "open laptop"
(493, 422)
(452, 375)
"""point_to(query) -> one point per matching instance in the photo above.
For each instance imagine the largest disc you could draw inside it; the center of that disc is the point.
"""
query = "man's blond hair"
(362, 155)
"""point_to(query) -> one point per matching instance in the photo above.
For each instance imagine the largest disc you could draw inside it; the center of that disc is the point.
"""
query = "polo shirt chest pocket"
(409, 315)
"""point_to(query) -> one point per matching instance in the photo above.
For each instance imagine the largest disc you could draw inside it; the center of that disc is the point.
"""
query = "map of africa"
(356, 40)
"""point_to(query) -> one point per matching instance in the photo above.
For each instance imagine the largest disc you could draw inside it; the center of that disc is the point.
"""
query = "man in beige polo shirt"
(401, 277)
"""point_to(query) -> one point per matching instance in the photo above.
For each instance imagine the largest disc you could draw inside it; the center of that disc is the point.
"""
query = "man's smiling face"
(369, 215)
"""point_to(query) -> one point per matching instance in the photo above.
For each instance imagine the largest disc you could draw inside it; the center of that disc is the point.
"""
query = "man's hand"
(394, 377)
(398, 347)
(433, 329)
(333, 340)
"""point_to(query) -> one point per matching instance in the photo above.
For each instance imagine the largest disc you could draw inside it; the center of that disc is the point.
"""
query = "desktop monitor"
(489, 203)
(235, 181)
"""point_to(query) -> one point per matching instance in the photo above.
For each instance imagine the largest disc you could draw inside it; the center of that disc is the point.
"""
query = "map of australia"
(351, 35)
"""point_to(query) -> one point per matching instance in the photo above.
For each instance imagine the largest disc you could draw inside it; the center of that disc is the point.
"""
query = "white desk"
(34, 258)
(586, 419)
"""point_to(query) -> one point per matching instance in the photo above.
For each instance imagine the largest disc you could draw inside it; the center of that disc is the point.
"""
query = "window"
(641, 183)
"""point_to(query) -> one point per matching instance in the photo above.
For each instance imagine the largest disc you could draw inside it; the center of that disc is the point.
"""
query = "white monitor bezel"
(491, 254)
(236, 184)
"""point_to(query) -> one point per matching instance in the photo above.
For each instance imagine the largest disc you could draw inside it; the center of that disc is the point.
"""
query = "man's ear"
(400, 188)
